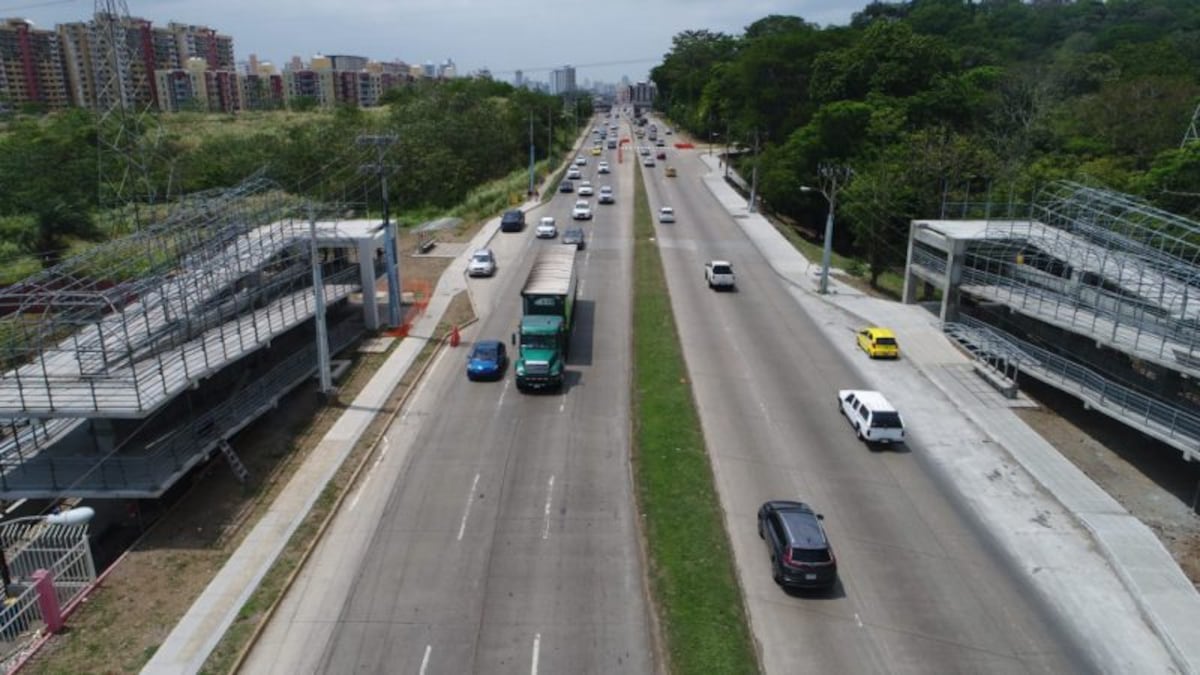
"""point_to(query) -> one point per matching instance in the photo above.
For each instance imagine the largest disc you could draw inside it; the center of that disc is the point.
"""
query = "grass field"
(691, 566)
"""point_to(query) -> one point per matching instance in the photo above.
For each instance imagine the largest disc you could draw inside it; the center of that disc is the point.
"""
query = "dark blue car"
(486, 360)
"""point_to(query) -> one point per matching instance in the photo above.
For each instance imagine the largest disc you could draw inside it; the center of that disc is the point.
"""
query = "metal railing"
(61, 550)
(1172, 424)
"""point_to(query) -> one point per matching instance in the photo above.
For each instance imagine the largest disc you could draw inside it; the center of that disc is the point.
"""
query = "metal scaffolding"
(1092, 291)
(115, 365)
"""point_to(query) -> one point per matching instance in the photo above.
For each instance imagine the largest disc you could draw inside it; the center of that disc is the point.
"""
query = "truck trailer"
(547, 312)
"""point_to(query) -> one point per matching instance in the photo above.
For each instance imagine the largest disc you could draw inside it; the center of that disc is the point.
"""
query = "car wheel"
(760, 532)
(858, 431)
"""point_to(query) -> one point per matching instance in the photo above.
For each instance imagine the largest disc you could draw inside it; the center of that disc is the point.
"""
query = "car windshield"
(667, 211)
(483, 257)
(539, 341)
(885, 341)
(484, 353)
(722, 269)
(886, 420)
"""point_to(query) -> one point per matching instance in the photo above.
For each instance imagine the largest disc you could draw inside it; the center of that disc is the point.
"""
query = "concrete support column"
(366, 276)
(909, 295)
(954, 270)
(103, 435)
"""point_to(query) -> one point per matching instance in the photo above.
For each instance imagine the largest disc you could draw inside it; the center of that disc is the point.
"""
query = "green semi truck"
(548, 308)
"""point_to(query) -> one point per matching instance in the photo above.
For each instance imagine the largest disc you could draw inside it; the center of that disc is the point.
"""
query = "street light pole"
(530, 153)
(832, 178)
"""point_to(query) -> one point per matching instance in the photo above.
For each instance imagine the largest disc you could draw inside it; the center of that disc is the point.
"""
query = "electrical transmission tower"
(128, 131)
(1193, 132)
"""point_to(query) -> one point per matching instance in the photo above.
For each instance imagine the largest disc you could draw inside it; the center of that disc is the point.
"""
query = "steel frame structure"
(1117, 274)
(122, 330)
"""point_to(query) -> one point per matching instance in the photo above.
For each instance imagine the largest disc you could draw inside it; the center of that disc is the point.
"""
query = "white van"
(873, 418)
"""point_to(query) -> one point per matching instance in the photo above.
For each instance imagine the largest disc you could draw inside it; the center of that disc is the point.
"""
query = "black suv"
(801, 556)
(512, 221)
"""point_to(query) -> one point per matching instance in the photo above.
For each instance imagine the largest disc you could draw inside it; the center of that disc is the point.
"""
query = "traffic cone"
(455, 338)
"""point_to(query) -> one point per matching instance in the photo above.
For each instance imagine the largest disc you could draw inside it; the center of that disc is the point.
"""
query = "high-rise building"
(31, 66)
(518, 79)
(562, 80)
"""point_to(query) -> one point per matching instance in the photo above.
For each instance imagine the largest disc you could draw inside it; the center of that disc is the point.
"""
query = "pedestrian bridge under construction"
(127, 365)
(1090, 291)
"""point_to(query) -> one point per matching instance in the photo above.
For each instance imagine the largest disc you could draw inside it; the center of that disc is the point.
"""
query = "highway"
(920, 590)
(496, 533)
(504, 541)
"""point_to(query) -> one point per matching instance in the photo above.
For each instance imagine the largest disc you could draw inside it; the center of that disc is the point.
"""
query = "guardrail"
(1172, 424)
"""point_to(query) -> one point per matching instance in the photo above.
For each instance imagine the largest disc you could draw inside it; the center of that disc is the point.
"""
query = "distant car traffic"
(573, 173)
(546, 228)
(585, 189)
(670, 171)
(574, 235)
(606, 194)
(582, 210)
(487, 360)
(666, 215)
(580, 160)
(597, 150)
(661, 155)
(602, 168)
(482, 264)
(648, 161)
(566, 186)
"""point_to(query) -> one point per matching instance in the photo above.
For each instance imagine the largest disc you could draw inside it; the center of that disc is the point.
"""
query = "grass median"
(696, 594)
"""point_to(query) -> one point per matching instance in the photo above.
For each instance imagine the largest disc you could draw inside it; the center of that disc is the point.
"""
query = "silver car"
(482, 264)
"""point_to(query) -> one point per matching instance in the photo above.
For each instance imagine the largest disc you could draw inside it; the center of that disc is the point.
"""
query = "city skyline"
(521, 36)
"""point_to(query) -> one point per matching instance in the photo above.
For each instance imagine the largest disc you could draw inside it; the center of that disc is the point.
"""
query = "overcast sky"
(604, 39)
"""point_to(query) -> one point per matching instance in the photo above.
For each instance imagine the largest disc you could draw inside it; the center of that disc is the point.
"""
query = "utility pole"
(753, 208)
(319, 306)
(530, 153)
(833, 177)
(381, 143)
(549, 131)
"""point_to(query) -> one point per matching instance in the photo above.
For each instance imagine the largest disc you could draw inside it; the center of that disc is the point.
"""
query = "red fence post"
(48, 600)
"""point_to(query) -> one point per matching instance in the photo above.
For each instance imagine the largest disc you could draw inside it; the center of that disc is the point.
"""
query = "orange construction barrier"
(455, 338)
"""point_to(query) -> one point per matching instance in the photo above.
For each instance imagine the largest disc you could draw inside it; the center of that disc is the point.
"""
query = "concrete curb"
(333, 512)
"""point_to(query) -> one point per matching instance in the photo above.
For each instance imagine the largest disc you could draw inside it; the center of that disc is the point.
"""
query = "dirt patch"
(1150, 479)
(119, 627)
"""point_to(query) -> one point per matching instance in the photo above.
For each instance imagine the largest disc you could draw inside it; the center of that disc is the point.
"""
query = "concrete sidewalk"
(197, 634)
(1082, 566)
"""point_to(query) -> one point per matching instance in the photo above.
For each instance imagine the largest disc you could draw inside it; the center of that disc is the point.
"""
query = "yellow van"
(878, 343)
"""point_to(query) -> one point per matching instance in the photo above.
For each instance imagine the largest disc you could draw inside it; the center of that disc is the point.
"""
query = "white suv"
(873, 418)
(582, 210)
(546, 228)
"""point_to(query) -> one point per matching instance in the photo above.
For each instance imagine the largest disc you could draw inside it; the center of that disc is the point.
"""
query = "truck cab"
(541, 345)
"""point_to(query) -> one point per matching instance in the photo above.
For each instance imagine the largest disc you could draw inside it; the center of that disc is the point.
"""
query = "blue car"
(486, 360)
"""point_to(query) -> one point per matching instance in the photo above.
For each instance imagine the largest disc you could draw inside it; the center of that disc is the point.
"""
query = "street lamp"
(77, 516)
(830, 176)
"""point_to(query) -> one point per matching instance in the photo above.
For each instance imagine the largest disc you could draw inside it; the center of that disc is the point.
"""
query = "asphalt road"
(920, 590)
(505, 541)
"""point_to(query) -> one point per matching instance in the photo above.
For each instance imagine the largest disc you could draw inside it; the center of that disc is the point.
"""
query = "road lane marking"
(500, 401)
(370, 473)
(858, 620)
(425, 659)
(549, 498)
(462, 527)
(537, 642)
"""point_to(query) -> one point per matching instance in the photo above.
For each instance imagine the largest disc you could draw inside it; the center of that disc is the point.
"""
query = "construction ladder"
(239, 469)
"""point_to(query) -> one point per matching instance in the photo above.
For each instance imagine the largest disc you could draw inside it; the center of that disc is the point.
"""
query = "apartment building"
(31, 66)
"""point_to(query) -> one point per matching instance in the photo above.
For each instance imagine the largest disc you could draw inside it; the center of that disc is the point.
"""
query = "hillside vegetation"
(451, 138)
(941, 99)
